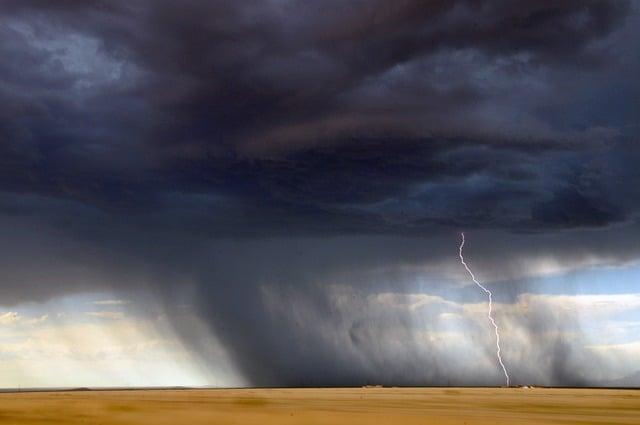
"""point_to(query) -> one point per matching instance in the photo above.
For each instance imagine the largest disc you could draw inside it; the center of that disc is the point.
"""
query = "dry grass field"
(325, 406)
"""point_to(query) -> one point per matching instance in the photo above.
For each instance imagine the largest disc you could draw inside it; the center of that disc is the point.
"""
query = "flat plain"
(350, 406)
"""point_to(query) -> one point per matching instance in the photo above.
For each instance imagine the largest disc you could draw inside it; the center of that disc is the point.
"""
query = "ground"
(350, 406)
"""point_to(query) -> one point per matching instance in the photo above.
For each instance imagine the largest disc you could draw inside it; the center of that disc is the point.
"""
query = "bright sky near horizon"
(96, 340)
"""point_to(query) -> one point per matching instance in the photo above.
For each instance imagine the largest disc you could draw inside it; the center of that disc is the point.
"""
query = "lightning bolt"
(493, 322)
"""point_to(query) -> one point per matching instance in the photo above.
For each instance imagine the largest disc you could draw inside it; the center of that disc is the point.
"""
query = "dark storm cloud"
(314, 111)
(159, 142)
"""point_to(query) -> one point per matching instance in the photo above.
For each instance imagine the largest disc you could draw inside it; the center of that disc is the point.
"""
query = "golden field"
(350, 406)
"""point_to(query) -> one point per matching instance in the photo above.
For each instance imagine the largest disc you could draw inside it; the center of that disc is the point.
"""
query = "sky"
(271, 192)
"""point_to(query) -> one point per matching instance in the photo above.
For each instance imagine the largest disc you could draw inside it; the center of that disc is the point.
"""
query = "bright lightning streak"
(493, 322)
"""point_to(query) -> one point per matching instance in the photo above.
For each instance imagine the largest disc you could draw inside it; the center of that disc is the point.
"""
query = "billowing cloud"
(142, 108)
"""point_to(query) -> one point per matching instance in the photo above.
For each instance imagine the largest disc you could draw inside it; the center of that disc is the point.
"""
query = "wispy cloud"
(37, 320)
(106, 314)
(626, 348)
(111, 302)
(595, 304)
(9, 318)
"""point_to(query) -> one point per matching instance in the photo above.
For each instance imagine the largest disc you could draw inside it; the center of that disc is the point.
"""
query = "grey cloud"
(232, 146)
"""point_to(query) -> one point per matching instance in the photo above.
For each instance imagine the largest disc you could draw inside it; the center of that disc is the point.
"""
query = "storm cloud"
(253, 154)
